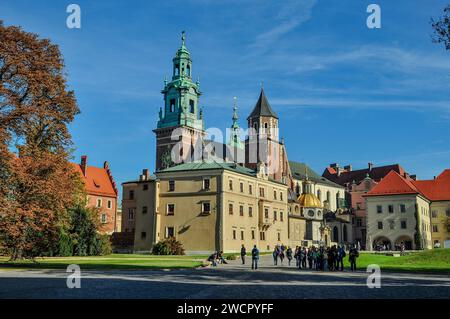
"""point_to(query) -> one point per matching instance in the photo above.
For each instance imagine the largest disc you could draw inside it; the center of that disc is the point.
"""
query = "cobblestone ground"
(225, 281)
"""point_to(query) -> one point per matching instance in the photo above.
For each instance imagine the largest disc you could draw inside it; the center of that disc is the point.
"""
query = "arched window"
(328, 196)
(335, 234)
(177, 69)
(345, 233)
(319, 194)
(188, 70)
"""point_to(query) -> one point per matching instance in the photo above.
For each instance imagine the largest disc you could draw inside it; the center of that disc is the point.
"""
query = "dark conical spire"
(262, 107)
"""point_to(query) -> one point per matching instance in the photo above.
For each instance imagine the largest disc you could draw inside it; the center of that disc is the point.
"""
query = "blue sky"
(344, 93)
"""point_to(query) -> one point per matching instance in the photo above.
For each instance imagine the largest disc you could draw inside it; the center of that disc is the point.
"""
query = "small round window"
(310, 213)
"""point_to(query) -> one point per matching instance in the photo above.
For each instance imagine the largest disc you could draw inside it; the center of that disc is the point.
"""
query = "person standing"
(255, 257)
(297, 251)
(340, 258)
(243, 253)
(310, 258)
(275, 255)
(289, 255)
(352, 255)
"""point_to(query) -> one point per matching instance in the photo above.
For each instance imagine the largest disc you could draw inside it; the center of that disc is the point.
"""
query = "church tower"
(263, 145)
(180, 114)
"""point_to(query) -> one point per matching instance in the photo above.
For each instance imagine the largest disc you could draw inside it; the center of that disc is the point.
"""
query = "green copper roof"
(209, 165)
(298, 171)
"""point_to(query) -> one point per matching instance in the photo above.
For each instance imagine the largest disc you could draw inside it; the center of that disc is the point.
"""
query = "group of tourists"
(317, 258)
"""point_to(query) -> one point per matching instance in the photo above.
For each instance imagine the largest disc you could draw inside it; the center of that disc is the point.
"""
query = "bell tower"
(180, 119)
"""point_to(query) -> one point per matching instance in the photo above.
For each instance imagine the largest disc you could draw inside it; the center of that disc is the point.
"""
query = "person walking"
(255, 257)
(275, 255)
(243, 253)
(297, 251)
(289, 255)
(352, 255)
(281, 255)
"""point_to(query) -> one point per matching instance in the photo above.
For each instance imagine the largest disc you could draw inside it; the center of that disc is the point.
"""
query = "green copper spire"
(181, 94)
(235, 139)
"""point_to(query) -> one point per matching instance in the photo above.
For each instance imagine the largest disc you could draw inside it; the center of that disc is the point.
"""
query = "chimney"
(83, 165)
(414, 177)
(334, 165)
(348, 168)
(339, 171)
(370, 165)
(145, 173)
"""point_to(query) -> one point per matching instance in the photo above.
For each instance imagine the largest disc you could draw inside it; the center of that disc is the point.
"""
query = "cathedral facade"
(216, 196)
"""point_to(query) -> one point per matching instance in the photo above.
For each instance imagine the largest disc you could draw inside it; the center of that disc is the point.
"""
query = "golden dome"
(309, 200)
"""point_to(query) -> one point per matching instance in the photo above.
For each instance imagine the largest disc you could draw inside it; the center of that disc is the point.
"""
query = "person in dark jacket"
(352, 255)
(275, 254)
(243, 253)
(340, 258)
(289, 255)
(255, 257)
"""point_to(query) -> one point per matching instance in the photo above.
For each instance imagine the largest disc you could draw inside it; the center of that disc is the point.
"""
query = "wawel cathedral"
(216, 196)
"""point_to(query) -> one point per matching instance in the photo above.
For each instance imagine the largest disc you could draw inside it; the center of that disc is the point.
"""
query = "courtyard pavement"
(225, 281)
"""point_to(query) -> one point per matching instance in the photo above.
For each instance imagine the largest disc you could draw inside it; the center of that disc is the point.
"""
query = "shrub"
(169, 246)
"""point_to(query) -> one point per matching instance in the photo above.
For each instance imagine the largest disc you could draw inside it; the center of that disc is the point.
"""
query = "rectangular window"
(170, 209)
(262, 236)
(279, 236)
(109, 204)
(281, 196)
(145, 187)
(230, 209)
(434, 214)
(447, 212)
(403, 224)
(241, 210)
(131, 195)
(241, 187)
(234, 233)
(250, 211)
(253, 234)
(171, 186)
(230, 185)
(104, 218)
(206, 209)
(390, 208)
(144, 210)
(402, 208)
(275, 195)
(274, 215)
(170, 232)
(266, 212)
(435, 229)
(281, 216)
(380, 225)
(391, 224)
(99, 202)
(143, 235)
(242, 235)
(192, 106)
(206, 183)
(261, 192)
(379, 209)
(250, 189)
(131, 214)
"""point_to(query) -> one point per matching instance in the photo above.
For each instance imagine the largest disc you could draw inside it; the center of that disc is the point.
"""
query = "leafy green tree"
(441, 28)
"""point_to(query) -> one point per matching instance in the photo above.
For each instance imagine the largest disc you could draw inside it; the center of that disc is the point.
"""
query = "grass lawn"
(431, 261)
(115, 261)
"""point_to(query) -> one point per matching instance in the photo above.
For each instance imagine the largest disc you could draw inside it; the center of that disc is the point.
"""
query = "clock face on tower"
(166, 159)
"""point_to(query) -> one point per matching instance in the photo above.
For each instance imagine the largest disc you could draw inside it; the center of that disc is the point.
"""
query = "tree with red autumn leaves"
(37, 183)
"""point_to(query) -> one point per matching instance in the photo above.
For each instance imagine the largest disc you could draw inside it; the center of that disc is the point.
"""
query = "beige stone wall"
(129, 207)
(195, 230)
(256, 229)
(441, 222)
(392, 221)
(147, 206)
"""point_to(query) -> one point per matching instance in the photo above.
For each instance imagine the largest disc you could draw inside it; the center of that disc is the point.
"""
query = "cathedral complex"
(215, 196)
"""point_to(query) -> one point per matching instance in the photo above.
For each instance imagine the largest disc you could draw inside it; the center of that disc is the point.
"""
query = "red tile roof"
(98, 181)
(347, 176)
(395, 184)
(436, 189)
